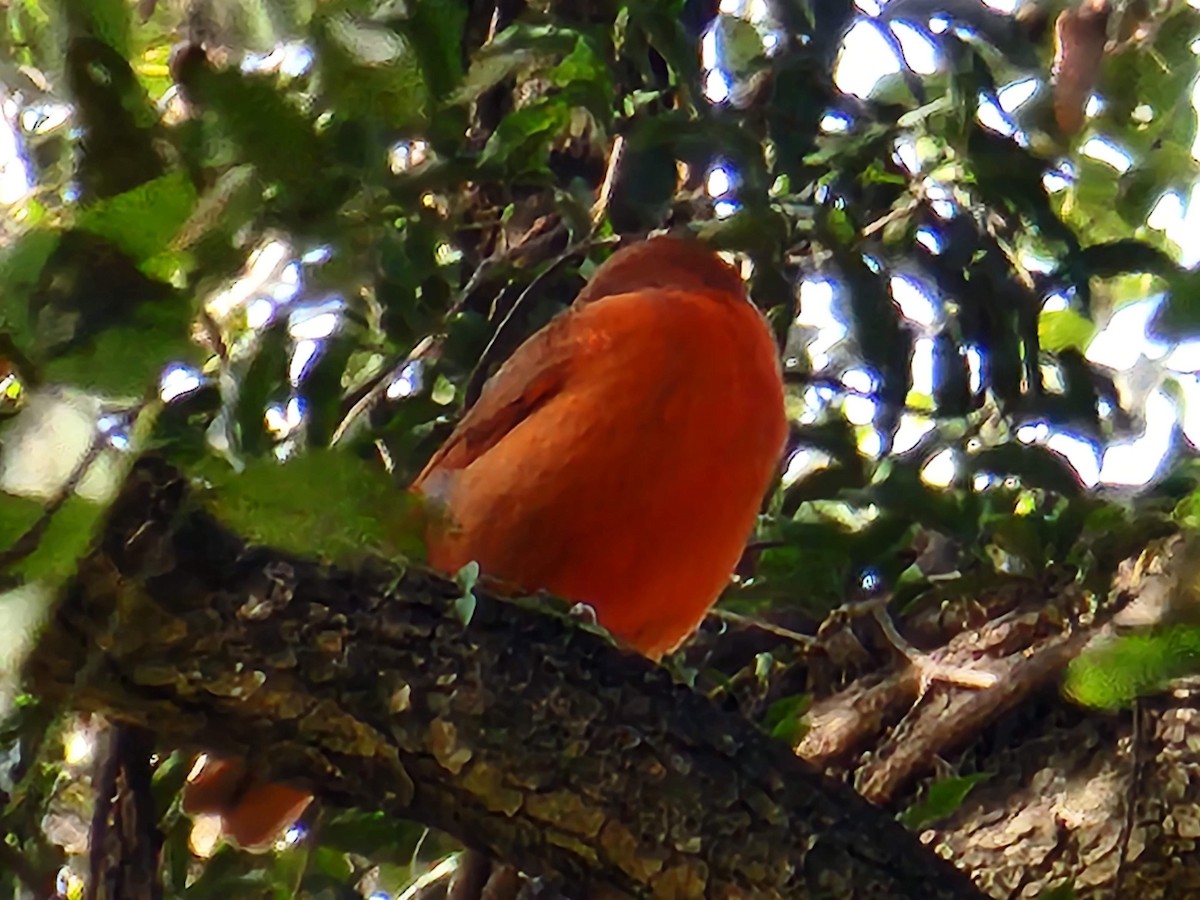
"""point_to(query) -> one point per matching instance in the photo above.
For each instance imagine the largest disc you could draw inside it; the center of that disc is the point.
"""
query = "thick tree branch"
(526, 738)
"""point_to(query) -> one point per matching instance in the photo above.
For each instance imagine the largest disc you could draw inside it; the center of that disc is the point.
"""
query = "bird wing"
(543, 365)
(535, 373)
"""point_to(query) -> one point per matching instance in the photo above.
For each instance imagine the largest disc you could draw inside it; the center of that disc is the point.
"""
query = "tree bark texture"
(1101, 802)
(1086, 799)
(525, 737)
(125, 841)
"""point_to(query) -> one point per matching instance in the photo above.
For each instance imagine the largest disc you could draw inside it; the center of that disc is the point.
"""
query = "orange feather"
(618, 458)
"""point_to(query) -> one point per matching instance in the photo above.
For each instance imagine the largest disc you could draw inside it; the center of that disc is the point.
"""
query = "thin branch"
(28, 542)
(429, 348)
(432, 884)
(615, 156)
(892, 216)
(960, 715)
(806, 641)
(503, 332)
(929, 671)
(356, 414)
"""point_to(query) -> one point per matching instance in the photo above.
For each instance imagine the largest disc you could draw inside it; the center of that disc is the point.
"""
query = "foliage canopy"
(302, 231)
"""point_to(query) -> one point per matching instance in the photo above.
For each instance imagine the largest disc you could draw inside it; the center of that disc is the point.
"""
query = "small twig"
(500, 337)
(921, 113)
(432, 883)
(534, 239)
(929, 670)
(1014, 261)
(212, 333)
(493, 25)
(615, 156)
(28, 542)
(427, 346)
(910, 748)
(892, 216)
(486, 110)
(430, 346)
(723, 615)
(385, 457)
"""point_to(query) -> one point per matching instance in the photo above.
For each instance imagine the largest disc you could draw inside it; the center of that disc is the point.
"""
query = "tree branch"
(520, 734)
(124, 837)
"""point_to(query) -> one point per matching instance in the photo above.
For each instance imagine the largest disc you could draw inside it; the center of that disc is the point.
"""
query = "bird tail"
(253, 815)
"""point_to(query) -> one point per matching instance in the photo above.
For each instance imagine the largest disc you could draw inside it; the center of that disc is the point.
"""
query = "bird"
(618, 458)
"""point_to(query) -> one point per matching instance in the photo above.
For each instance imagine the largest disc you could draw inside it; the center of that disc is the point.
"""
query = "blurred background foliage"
(282, 242)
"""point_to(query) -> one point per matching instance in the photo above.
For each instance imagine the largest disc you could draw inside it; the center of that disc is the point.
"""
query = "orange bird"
(618, 459)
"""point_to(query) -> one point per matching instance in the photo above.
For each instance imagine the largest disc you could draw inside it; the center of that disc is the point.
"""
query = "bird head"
(664, 262)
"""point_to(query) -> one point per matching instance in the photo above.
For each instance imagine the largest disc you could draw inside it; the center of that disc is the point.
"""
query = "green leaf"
(142, 221)
(820, 554)
(128, 359)
(228, 204)
(739, 44)
(901, 489)
(21, 265)
(660, 26)
(1064, 329)
(582, 64)
(940, 800)
(518, 47)
(467, 578)
(522, 140)
(105, 20)
(373, 834)
(224, 875)
(436, 29)
(785, 718)
(63, 543)
(1009, 176)
(332, 863)
(261, 122)
(1117, 672)
(176, 856)
(1179, 317)
(645, 184)
(1020, 537)
(488, 70)
(370, 71)
(322, 503)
